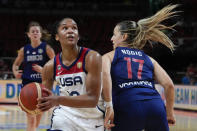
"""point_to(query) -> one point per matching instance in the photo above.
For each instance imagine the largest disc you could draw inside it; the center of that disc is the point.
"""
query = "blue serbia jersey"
(132, 76)
(33, 56)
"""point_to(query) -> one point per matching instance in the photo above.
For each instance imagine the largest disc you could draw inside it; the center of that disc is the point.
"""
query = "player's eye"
(65, 28)
(74, 28)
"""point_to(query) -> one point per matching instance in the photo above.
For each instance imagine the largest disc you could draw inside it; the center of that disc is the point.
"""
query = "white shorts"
(64, 121)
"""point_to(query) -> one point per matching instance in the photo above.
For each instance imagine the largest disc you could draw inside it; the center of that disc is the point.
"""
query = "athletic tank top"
(33, 56)
(71, 80)
(132, 75)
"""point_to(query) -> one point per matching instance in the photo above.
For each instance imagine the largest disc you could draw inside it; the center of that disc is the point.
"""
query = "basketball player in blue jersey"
(34, 55)
(77, 70)
(130, 75)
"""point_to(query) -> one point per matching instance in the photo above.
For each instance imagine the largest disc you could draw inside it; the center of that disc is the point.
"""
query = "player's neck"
(123, 44)
(70, 54)
(35, 44)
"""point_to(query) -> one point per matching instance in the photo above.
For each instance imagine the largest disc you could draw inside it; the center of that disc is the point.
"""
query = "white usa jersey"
(72, 82)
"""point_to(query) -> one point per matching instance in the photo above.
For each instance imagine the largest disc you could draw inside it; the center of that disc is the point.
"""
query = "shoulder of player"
(48, 46)
(153, 60)
(93, 55)
(109, 55)
(21, 51)
(93, 60)
(50, 51)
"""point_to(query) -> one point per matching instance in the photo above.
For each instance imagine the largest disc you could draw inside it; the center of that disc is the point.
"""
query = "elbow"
(93, 105)
(169, 86)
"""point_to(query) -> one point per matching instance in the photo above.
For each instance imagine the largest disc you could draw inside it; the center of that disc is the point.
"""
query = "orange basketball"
(28, 97)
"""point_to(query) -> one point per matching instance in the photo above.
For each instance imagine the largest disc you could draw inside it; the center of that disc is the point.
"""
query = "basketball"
(28, 97)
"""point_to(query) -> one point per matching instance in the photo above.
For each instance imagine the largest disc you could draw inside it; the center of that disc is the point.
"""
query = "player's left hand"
(45, 103)
(37, 68)
(109, 118)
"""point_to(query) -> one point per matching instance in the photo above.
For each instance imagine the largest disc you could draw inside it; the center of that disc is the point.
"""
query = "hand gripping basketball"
(29, 95)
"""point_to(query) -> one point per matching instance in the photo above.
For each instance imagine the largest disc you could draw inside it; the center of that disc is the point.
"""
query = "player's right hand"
(47, 102)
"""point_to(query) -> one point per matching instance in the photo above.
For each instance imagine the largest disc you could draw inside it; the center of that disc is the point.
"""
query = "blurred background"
(96, 20)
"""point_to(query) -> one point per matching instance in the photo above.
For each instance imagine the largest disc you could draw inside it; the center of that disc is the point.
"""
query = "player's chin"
(72, 42)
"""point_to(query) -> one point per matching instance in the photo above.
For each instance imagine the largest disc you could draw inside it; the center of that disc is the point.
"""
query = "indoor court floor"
(13, 119)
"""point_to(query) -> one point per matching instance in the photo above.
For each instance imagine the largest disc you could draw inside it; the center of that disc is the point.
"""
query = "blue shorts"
(148, 115)
(26, 81)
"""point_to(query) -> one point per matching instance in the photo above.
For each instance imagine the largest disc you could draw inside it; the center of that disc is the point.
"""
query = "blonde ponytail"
(150, 29)
(46, 35)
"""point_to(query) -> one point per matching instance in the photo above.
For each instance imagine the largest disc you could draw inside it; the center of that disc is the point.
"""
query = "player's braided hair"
(149, 29)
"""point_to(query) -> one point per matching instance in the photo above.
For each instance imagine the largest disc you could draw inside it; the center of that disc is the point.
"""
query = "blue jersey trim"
(151, 66)
(84, 60)
(101, 110)
(115, 56)
(52, 118)
(54, 68)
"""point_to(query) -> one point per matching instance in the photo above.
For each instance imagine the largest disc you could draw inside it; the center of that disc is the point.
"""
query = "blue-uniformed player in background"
(130, 74)
(34, 55)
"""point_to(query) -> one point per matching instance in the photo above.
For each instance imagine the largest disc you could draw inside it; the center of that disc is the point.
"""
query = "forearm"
(15, 68)
(107, 81)
(169, 95)
(19, 59)
(107, 87)
(82, 101)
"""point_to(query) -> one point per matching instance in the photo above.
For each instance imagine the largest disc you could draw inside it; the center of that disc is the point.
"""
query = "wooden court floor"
(13, 119)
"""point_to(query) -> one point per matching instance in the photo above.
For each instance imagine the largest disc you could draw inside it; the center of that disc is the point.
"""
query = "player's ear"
(28, 34)
(125, 35)
(56, 37)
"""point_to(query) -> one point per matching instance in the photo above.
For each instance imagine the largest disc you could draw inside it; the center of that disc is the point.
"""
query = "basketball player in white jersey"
(78, 72)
